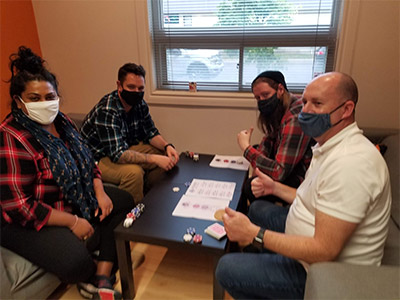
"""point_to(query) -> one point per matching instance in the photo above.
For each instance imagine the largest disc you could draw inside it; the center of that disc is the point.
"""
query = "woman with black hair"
(54, 209)
(284, 153)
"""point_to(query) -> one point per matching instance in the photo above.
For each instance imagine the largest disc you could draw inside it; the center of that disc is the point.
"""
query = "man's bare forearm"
(284, 192)
(134, 157)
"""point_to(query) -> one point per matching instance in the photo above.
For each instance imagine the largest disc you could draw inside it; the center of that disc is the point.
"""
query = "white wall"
(85, 42)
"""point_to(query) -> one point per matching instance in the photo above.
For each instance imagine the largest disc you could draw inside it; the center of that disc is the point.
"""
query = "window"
(222, 45)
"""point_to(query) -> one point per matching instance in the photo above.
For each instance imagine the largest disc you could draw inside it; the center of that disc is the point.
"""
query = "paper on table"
(230, 162)
(203, 198)
(198, 207)
(211, 189)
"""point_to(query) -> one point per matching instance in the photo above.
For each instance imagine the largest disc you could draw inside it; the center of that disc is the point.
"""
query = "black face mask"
(132, 98)
(268, 106)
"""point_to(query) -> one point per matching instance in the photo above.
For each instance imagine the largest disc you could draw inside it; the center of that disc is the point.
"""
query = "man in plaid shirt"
(123, 138)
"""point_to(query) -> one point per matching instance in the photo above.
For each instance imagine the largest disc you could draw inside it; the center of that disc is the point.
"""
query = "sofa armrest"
(24, 280)
(333, 280)
(5, 283)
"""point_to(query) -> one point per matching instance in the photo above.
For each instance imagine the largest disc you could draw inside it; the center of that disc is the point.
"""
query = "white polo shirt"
(347, 179)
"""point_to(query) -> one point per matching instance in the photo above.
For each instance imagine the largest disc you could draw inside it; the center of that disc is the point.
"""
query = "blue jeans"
(264, 275)
(268, 215)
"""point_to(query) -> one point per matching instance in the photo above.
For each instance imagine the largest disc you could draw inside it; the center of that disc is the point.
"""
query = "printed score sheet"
(230, 162)
(203, 198)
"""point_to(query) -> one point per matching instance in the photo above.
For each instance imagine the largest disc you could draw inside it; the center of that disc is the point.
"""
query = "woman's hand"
(105, 204)
(244, 138)
(82, 229)
(79, 226)
(262, 185)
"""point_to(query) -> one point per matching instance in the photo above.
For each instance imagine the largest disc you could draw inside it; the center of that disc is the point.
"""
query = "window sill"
(199, 98)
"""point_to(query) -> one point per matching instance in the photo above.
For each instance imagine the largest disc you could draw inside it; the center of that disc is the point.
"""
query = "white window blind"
(224, 44)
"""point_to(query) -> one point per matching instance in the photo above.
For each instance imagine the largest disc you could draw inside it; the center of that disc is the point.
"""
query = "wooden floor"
(166, 274)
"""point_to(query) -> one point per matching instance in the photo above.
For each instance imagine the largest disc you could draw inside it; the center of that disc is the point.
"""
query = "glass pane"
(202, 65)
(298, 64)
(234, 13)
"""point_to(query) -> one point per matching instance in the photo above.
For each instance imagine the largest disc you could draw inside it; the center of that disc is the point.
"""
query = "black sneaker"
(102, 289)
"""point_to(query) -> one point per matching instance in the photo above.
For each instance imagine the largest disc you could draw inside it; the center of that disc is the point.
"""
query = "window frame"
(213, 38)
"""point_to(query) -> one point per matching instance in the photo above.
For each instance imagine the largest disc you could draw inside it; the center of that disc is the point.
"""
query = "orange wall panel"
(17, 27)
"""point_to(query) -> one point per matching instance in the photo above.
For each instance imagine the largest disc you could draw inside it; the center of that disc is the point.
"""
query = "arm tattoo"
(133, 157)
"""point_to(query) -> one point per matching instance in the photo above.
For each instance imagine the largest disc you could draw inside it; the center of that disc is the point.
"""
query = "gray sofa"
(332, 280)
(20, 279)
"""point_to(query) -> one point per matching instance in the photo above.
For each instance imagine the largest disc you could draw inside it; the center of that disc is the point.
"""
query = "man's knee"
(223, 270)
(132, 173)
(258, 210)
(132, 181)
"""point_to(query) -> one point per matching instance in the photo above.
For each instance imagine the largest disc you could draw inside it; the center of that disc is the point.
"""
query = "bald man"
(339, 213)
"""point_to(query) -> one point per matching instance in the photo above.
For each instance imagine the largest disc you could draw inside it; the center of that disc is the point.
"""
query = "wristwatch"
(258, 240)
(166, 146)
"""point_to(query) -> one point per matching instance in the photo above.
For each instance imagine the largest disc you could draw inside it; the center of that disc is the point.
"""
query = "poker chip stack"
(197, 239)
(191, 235)
(192, 155)
(133, 215)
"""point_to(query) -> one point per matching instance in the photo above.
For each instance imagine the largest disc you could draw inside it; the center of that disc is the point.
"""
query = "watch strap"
(166, 146)
(258, 240)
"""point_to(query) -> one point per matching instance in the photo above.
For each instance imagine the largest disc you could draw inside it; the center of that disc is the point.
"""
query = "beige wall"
(85, 42)
(369, 51)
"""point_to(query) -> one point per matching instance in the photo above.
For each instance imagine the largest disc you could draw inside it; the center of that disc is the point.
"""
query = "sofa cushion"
(77, 119)
(24, 279)
(391, 156)
(391, 252)
(331, 280)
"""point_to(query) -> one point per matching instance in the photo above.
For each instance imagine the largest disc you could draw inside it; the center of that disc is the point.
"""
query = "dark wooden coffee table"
(157, 225)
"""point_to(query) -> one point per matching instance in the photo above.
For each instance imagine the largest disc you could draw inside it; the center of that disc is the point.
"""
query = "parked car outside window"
(193, 64)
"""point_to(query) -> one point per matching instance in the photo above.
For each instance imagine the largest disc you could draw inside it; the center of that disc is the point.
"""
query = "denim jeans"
(263, 275)
(268, 215)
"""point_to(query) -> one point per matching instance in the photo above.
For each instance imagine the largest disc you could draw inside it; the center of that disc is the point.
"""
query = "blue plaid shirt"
(109, 130)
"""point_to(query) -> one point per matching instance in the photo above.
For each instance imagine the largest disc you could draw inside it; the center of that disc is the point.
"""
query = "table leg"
(125, 268)
(218, 291)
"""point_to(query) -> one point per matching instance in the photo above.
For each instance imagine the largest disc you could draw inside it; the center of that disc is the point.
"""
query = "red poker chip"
(131, 216)
(197, 239)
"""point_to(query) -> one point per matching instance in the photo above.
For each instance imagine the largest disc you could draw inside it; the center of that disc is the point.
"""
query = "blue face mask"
(268, 106)
(315, 125)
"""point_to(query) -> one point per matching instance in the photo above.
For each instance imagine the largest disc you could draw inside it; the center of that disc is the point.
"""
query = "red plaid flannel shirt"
(290, 151)
(27, 188)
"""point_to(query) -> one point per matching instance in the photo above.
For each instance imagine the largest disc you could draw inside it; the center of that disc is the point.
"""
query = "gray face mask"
(315, 125)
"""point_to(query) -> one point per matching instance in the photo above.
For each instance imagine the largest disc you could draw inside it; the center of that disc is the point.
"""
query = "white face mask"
(42, 112)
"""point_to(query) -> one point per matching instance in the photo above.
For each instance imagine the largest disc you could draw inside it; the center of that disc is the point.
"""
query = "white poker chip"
(128, 222)
(175, 189)
(187, 238)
